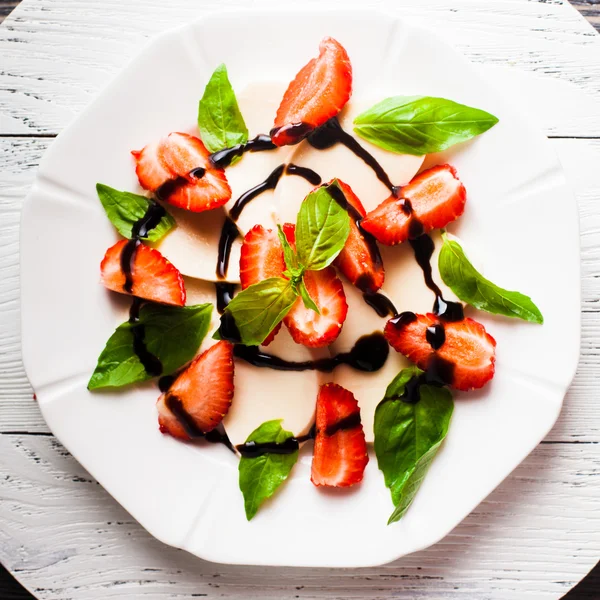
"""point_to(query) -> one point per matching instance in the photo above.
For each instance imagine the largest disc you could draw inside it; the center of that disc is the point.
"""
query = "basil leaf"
(397, 386)
(124, 209)
(260, 307)
(291, 260)
(219, 118)
(421, 124)
(322, 228)
(308, 301)
(407, 438)
(172, 334)
(262, 475)
(474, 289)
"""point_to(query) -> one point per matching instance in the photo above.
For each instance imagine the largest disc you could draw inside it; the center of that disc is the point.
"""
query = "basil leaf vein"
(124, 209)
(259, 477)
(322, 229)
(260, 307)
(472, 287)
(220, 121)
(407, 438)
(171, 333)
(421, 124)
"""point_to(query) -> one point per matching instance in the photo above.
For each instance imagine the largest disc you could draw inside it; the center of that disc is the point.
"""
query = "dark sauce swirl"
(255, 449)
(223, 158)
(446, 310)
(331, 133)
(152, 364)
(368, 354)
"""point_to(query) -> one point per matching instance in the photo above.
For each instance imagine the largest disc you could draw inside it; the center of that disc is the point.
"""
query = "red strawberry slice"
(464, 360)
(153, 277)
(431, 200)
(201, 395)
(318, 93)
(340, 453)
(261, 257)
(149, 167)
(178, 167)
(325, 288)
(360, 260)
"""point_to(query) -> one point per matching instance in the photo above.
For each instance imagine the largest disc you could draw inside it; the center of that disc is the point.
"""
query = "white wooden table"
(61, 534)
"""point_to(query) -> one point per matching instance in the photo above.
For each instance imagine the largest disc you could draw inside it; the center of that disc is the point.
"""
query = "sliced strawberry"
(431, 200)
(459, 353)
(201, 395)
(325, 288)
(318, 93)
(153, 277)
(179, 169)
(261, 257)
(340, 453)
(150, 168)
(360, 260)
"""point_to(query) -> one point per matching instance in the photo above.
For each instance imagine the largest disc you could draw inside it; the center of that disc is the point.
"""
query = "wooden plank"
(92, 41)
(590, 10)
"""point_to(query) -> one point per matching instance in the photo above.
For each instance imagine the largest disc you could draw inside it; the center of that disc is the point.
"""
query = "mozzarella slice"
(263, 394)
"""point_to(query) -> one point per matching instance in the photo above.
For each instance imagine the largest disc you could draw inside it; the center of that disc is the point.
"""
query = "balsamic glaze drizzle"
(308, 174)
(368, 354)
(254, 449)
(447, 310)
(349, 422)
(140, 229)
(229, 233)
(270, 183)
(151, 363)
(223, 158)
(381, 304)
(332, 133)
(224, 291)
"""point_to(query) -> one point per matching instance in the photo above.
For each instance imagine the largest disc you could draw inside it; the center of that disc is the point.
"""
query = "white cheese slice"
(263, 394)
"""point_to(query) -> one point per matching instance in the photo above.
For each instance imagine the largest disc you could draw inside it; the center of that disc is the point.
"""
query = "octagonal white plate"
(521, 217)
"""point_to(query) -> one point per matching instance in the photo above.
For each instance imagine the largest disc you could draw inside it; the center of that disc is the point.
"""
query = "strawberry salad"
(300, 285)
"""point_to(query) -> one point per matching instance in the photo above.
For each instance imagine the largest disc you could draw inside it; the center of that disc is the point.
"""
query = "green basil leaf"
(262, 475)
(219, 118)
(474, 289)
(308, 301)
(397, 386)
(124, 209)
(322, 228)
(407, 438)
(421, 124)
(291, 260)
(260, 307)
(172, 334)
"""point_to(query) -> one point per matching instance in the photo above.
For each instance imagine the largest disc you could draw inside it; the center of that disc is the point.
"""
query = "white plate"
(521, 216)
